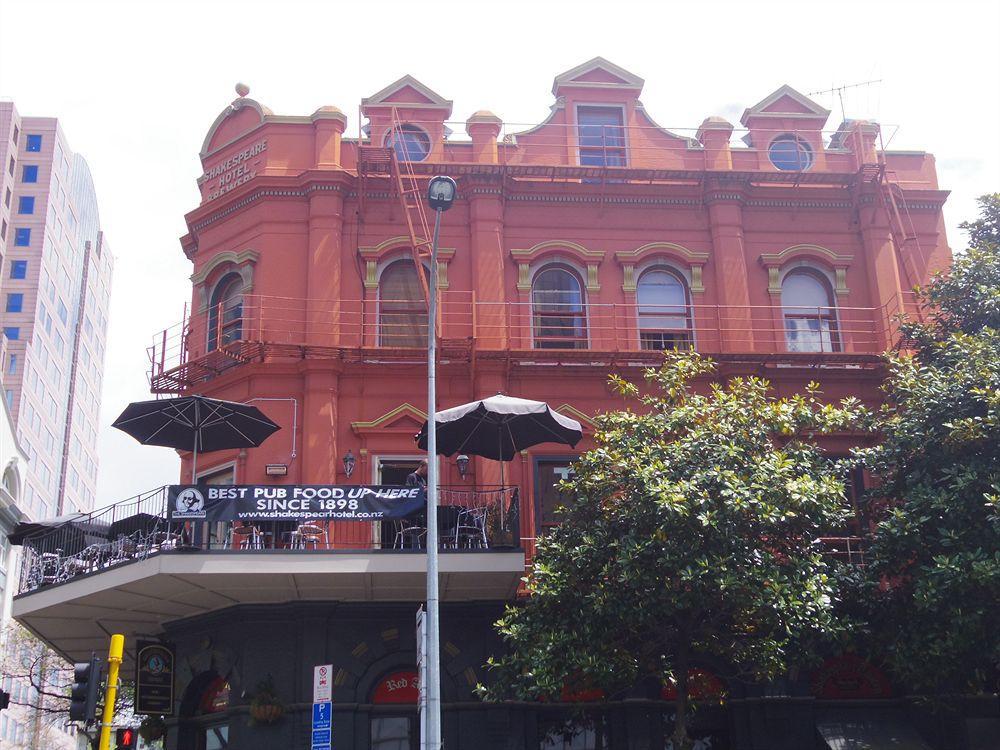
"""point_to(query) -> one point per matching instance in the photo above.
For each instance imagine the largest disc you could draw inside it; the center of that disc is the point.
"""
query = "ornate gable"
(785, 102)
(407, 93)
(597, 73)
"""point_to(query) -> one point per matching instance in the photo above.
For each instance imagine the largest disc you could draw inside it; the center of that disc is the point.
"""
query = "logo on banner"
(189, 503)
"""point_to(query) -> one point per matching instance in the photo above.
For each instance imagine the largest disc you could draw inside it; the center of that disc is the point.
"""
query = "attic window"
(409, 142)
(790, 154)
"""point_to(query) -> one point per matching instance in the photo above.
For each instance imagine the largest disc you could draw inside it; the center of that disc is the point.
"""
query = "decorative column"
(330, 124)
(882, 267)
(325, 325)
(486, 253)
(724, 199)
(714, 134)
(484, 127)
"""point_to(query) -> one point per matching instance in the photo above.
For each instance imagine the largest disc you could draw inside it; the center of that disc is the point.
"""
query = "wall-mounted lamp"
(276, 470)
(349, 463)
(462, 462)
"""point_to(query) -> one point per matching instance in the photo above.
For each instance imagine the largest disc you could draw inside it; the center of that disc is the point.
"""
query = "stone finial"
(242, 89)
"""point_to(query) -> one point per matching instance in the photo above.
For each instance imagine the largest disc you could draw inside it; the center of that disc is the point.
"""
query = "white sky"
(137, 84)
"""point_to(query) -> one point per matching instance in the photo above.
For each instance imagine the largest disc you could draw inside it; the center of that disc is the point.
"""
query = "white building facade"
(55, 284)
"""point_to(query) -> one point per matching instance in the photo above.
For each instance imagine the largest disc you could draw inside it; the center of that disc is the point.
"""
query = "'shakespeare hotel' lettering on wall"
(325, 502)
(233, 172)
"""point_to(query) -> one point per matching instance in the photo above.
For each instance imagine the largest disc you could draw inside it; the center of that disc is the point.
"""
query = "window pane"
(560, 320)
(34, 143)
(18, 269)
(26, 204)
(548, 475)
(788, 153)
(13, 333)
(410, 143)
(602, 136)
(391, 733)
(15, 302)
(402, 315)
(29, 173)
(227, 301)
(22, 237)
(217, 738)
(804, 290)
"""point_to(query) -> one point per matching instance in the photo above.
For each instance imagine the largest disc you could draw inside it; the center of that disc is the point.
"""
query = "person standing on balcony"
(418, 478)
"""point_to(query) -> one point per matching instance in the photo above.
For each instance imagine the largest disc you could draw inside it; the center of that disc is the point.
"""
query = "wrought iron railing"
(276, 327)
(136, 529)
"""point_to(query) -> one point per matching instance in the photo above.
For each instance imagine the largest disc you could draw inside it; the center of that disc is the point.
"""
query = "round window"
(790, 154)
(410, 143)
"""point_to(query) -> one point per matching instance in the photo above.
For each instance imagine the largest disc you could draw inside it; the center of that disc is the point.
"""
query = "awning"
(866, 729)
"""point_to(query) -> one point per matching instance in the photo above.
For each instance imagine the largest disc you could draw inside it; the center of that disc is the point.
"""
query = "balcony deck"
(205, 346)
(82, 581)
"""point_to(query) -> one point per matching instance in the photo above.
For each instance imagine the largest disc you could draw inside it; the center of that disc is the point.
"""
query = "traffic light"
(126, 738)
(83, 696)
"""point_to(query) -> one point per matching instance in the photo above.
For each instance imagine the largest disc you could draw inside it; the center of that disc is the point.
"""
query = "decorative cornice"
(403, 410)
(796, 251)
(629, 258)
(574, 248)
(227, 256)
(664, 248)
(775, 261)
(264, 193)
(586, 421)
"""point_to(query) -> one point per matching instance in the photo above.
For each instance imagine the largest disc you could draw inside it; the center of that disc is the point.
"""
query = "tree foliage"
(691, 532)
(936, 554)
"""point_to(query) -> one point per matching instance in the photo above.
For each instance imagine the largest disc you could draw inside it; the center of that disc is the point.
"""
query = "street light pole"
(433, 616)
(440, 194)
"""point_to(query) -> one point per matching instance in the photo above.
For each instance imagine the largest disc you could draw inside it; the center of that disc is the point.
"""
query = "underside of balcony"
(77, 616)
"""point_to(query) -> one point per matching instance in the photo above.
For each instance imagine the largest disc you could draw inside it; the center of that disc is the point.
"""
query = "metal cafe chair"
(309, 536)
(470, 530)
(408, 535)
(248, 537)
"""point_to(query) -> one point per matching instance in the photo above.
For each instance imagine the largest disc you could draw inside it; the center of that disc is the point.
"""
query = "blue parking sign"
(321, 715)
(322, 723)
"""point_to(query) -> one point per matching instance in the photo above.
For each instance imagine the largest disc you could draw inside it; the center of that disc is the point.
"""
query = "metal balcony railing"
(135, 529)
(204, 345)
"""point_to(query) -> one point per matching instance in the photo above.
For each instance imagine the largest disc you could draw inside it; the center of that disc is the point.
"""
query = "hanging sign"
(399, 687)
(293, 502)
(154, 679)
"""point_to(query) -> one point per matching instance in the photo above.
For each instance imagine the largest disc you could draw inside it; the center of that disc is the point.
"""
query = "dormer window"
(790, 153)
(601, 131)
(409, 142)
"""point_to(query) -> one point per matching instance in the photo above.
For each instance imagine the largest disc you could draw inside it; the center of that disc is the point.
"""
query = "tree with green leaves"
(692, 532)
(935, 559)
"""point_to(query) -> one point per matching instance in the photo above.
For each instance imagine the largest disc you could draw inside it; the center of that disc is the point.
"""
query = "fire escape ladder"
(409, 192)
(904, 235)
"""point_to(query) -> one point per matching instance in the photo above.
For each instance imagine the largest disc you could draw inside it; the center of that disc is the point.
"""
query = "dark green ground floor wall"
(365, 642)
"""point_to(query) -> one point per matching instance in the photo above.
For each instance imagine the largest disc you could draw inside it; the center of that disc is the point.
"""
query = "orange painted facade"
(293, 243)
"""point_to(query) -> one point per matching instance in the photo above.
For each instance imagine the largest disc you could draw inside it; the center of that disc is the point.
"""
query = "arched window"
(225, 313)
(809, 311)
(402, 313)
(790, 154)
(664, 309)
(409, 142)
(558, 311)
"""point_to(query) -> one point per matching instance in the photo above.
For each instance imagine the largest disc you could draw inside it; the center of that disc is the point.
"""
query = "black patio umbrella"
(144, 522)
(77, 523)
(197, 424)
(498, 427)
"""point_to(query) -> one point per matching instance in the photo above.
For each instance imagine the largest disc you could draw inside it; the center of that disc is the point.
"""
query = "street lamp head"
(463, 465)
(349, 462)
(441, 192)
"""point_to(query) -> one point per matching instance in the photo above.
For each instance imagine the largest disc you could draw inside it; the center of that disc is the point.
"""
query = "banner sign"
(293, 502)
(154, 679)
